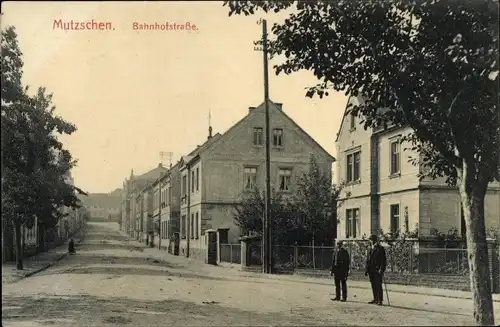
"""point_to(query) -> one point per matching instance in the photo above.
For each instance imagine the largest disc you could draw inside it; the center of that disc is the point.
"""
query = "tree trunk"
(472, 193)
(19, 247)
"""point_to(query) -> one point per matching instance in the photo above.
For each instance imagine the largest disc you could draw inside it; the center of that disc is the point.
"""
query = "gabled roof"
(379, 110)
(277, 106)
(199, 150)
(152, 174)
(349, 101)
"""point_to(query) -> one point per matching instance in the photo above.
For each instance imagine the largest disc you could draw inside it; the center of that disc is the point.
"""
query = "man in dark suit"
(375, 267)
(340, 270)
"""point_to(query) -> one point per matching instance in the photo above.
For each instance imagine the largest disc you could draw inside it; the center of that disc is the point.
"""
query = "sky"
(134, 93)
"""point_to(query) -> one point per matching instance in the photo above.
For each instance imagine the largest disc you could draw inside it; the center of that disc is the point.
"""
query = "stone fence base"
(451, 282)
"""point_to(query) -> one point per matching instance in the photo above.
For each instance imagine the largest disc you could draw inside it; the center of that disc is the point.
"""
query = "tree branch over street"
(433, 65)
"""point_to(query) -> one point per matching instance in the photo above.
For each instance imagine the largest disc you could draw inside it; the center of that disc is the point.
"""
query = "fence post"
(410, 266)
(295, 256)
(322, 249)
(428, 261)
(314, 255)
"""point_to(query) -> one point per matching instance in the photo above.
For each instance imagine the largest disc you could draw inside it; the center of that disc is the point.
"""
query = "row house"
(216, 175)
(132, 187)
(386, 193)
(166, 206)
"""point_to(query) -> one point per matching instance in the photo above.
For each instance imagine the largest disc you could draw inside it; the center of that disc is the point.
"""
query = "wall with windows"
(353, 156)
(395, 171)
(354, 218)
(245, 142)
(399, 211)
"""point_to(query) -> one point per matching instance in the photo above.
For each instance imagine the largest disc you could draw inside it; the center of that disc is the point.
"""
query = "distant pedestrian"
(71, 247)
(340, 270)
(375, 268)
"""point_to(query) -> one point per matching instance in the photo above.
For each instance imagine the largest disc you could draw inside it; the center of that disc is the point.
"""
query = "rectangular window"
(184, 185)
(352, 121)
(250, 177)
(352, 223)
(197, 225)
(192, 226)
(285, 178)
(394, 218)
(258, 135)
(183, 226)
(463, 226)
(395, 157)
(197, 178)
(353, 167)
(192, 182)
(278, 137)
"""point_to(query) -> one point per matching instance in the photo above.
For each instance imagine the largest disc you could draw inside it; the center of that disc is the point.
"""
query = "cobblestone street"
(113, 281)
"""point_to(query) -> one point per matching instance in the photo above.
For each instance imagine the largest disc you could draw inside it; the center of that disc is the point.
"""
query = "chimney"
(279, 105)
(209, 132)
(160, 165)
(250, 109)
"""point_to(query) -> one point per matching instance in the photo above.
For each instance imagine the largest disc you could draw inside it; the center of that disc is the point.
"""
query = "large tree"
(248, 215)
(432, 65)
(35, 165)
(316, 201)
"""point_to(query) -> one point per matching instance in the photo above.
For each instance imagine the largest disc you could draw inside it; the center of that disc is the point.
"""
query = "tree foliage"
(436, 61)
(317, 201)
(248, 215)
(35, 165)
(431, 65)
(308, 214)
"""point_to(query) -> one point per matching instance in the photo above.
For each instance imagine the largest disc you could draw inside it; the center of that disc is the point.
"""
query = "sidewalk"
(33, 265)
(234, 270)
(38, 262)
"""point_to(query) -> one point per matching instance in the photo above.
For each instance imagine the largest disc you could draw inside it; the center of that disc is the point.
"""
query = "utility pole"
(267, 224)
(164, 154)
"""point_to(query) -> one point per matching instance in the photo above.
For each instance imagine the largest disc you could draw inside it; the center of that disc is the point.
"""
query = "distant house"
(102, 205)
(216, 175)
(385, 189)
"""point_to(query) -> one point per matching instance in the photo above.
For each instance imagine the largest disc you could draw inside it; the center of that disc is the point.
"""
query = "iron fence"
(401, 258)
(230, 253)
(255, 255)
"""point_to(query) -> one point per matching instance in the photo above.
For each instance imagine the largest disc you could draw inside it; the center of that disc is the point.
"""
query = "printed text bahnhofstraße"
(83, 25)
(165, 26)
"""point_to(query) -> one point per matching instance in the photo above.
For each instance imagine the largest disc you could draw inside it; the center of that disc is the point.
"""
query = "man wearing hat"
(375, 268)
(340, 270)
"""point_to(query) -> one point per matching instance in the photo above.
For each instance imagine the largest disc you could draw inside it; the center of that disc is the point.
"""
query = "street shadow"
(129, 271)
(81, 258)
(85, 310)
(385, 305)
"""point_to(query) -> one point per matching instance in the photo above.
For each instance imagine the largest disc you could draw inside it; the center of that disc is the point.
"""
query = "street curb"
(394, 291)
(50, 264)
(326, 283)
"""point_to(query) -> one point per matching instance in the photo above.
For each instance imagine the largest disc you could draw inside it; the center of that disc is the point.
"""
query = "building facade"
(105, 206)
(167, 215)
(216, 175)
(386, 193)
(130, 210)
